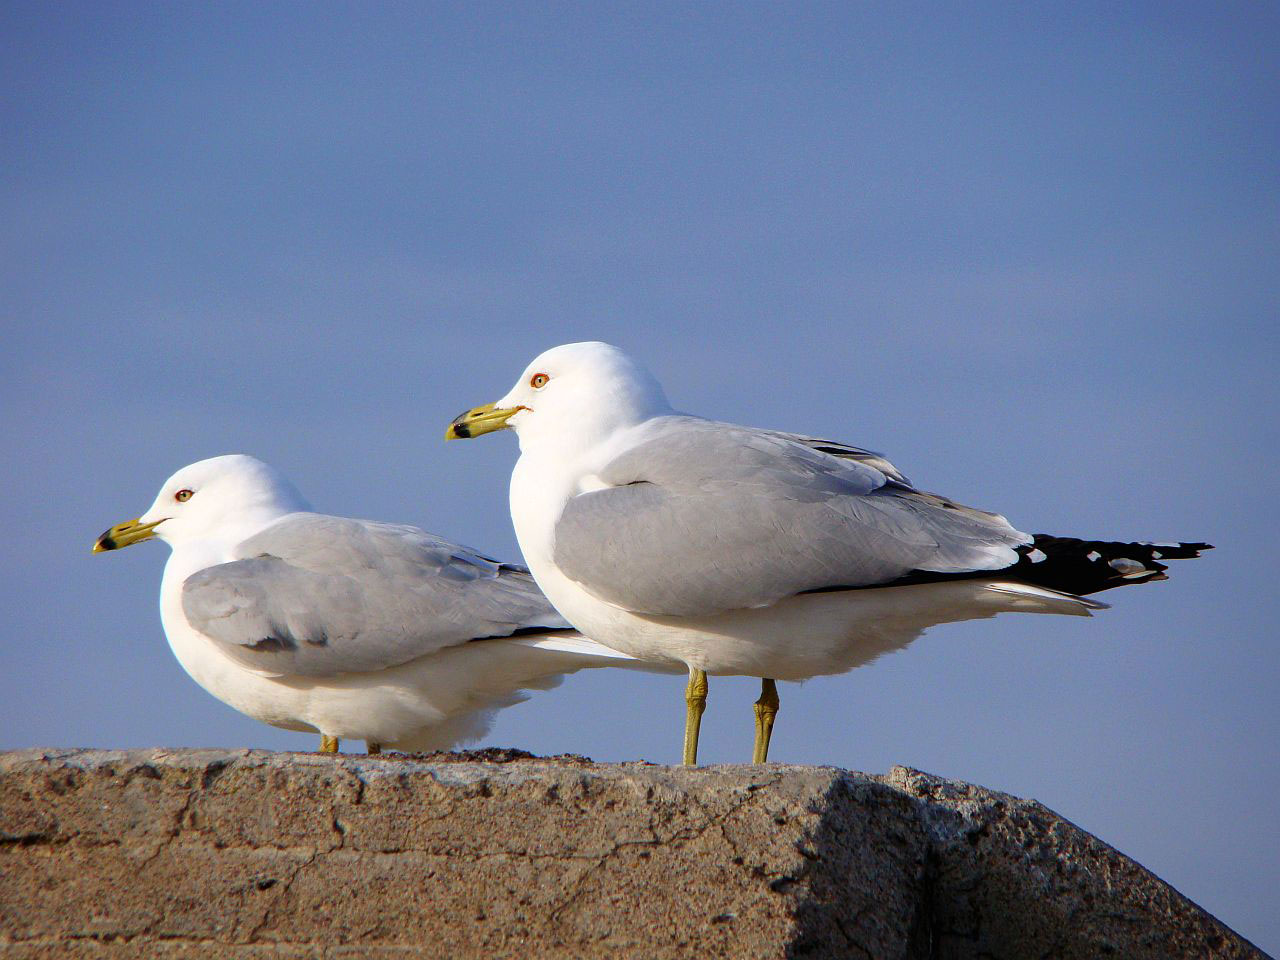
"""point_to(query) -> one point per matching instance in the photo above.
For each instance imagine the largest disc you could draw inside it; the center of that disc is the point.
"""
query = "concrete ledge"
(203, 853)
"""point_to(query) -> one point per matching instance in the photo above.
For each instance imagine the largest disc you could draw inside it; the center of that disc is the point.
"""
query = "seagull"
(740, 551)
(346, 628)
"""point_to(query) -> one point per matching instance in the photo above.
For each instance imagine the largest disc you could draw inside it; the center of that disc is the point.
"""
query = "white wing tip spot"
(1126, 567)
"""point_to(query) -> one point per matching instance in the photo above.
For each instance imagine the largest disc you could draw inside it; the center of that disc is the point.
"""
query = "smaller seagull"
(346, 628)
(736, 550)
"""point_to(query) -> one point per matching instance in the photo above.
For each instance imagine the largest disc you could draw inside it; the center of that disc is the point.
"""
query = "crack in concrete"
(282, 894)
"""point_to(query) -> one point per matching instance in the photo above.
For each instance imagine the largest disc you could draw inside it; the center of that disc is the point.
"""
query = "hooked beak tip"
(480, 420)
(125, 534)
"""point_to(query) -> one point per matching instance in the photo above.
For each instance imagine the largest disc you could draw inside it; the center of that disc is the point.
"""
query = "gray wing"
(835, 448)
(699, 517)
(318, 596)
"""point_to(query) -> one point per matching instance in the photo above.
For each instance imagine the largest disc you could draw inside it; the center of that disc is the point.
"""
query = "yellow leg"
(766, 711)
(328, 744)
(372, 747)
(695, 698)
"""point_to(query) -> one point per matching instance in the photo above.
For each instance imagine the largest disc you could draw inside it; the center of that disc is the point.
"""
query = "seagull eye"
(182, 496)
(538, 381)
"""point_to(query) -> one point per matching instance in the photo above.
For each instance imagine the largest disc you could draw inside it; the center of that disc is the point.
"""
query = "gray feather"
(315, 595)
(700, 517)
(837, 449)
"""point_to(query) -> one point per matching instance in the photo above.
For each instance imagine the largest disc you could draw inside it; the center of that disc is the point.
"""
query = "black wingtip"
(1178, 551)
(1087, 566)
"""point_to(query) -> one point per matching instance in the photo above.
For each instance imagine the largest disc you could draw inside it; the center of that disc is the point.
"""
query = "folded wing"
(315, 595)
(699, 517)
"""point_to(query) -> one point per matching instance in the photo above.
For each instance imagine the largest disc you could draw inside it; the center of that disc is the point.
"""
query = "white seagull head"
(225, 497)
(577, 393)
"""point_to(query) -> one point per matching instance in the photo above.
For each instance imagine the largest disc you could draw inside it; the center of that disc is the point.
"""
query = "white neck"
(574, 437)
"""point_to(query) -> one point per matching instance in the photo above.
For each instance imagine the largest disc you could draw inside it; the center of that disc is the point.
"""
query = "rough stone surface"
(203, 853)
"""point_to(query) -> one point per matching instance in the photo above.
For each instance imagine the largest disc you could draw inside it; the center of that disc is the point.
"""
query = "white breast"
(262, 698)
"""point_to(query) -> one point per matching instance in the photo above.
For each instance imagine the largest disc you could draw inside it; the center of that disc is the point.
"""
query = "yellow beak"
(125, 534)
(480, 420)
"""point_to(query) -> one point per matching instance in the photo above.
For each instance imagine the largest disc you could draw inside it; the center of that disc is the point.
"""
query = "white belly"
(799, 637)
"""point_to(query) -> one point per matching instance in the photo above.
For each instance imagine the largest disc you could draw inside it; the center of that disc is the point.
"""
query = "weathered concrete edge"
(954, 813)
(949, 811)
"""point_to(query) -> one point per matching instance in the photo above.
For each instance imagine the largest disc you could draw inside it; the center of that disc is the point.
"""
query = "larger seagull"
(735, 550)
(347, 628)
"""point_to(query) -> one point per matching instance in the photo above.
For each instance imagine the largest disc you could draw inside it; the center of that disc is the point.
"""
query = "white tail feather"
(570, 643)
(1067, 603)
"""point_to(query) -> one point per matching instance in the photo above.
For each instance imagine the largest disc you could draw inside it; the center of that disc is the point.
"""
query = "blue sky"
(1029, 253)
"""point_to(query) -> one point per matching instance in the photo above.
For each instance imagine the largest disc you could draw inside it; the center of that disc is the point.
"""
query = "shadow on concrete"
(929, 869)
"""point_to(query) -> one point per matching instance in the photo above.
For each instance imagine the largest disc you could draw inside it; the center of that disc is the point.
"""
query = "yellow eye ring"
(538, 381)
(182, 496)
